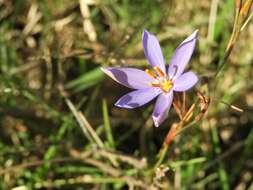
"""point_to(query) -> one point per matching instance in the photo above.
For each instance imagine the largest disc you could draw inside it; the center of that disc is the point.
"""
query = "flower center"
(166, 85)
(161, 79)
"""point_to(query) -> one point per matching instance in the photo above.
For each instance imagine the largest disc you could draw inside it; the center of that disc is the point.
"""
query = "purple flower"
(161, 82)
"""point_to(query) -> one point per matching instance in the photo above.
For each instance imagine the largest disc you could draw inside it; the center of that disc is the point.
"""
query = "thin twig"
(30, 164)
(91, 130)
(81, 124)
(89, 179)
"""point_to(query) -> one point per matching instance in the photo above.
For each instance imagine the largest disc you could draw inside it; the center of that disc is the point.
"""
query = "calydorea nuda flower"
(161, 82)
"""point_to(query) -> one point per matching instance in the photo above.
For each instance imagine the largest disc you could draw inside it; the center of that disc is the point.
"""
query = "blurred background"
(59, 126)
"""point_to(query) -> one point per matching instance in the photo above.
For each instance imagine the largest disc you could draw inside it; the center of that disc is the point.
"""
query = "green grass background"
(46, 144)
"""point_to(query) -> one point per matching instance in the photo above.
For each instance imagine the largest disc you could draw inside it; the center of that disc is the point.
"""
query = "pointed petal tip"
(193, 36)
(119, 105)
(196, 33)
(102, 68)
(105, 70)
(190, 38)
(157, 121)
(145, 31)
(116, 104)
(145, 34)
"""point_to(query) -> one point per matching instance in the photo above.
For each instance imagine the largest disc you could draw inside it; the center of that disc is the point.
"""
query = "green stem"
(162, 155)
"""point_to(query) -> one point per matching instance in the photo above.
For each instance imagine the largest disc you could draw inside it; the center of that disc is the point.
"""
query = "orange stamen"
(159, 72)
(155, 84)
(150, 73)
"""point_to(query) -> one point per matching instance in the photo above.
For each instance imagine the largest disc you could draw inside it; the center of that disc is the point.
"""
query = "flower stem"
(162, 155)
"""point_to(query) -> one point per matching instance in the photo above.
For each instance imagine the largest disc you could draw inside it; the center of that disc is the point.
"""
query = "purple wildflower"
(161, 82)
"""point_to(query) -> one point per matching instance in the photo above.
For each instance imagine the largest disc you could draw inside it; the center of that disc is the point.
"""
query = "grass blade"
(107, 125)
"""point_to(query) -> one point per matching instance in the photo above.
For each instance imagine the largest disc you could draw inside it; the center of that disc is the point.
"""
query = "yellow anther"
(150, 73)
(166, 85)
(159, 72)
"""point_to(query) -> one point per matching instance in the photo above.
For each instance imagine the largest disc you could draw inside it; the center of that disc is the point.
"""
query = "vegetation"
(60, 128)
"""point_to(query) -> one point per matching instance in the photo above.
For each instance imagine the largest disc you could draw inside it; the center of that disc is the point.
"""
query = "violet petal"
(162, 107)
(137, 98)
(182, 55)
(152, 50)
(185, 81)
(129, 77)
